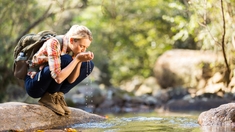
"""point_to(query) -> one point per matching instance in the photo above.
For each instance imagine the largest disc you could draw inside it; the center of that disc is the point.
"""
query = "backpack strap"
(60, 39)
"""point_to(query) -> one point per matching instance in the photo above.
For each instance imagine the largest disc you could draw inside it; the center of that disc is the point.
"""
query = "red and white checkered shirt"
(50, 52)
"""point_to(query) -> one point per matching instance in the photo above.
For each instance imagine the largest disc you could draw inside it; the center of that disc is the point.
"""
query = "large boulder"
(224, 115)
(187, 68)
(29, 117)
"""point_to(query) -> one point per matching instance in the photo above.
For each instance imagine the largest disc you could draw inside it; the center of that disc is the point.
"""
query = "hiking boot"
(63, 103)
(51, 101)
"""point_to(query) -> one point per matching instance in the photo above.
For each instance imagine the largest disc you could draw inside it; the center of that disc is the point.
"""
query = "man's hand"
(85, 56)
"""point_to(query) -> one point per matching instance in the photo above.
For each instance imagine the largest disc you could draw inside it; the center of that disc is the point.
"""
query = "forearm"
(65, 72)
(75, 73)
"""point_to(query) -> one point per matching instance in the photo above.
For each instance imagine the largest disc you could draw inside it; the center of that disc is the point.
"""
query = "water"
(89, 89)
(149, 122)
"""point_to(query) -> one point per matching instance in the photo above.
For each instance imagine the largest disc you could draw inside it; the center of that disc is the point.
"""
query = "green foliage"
(14, 17)
(130, 35)
(209, 16)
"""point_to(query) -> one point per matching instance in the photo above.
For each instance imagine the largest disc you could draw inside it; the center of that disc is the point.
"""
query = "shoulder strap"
(60, 39)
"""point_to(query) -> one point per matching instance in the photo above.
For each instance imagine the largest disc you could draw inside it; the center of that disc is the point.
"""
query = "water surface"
(148, 122)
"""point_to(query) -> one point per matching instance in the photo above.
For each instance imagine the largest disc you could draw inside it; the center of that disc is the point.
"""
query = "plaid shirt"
(50, 52)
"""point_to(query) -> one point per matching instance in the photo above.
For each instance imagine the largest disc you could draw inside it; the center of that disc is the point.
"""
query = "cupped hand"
(85, 56)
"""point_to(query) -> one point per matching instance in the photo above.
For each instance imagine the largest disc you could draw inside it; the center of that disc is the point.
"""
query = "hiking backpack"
(26, 47)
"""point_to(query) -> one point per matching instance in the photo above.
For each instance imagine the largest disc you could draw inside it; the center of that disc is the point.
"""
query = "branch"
(204, 23)
(47, 15)
(208, 30)
(4, 11)
(42, 18)
(227, 73)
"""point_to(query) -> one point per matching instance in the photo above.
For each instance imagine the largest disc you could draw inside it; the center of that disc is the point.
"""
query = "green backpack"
(26, 47)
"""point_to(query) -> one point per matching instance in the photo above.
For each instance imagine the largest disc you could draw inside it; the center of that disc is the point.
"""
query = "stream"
(148, 122)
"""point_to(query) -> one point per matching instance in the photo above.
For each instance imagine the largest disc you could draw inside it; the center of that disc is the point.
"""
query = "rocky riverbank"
(114, 100)
(16, 116)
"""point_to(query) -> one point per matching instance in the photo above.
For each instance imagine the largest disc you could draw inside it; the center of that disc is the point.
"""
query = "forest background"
(129, 35)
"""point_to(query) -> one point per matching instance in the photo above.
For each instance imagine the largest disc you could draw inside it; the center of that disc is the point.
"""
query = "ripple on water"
(94, 125)
(135, 123)
(141, 119)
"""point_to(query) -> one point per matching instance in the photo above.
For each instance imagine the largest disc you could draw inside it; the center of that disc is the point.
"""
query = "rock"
(215, 88)
(151, 101)
(224, 115)
(177, 93)
(132, 84)
(29, 117)
(217, 77)
(232, 84)
(179, 67)
(194, 104)
(147, 87)
(161, 95)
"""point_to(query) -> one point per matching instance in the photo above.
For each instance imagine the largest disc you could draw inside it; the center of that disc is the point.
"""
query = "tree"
(217, 20)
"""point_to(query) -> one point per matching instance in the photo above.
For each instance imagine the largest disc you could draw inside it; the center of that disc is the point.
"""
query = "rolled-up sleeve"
(53, 50)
